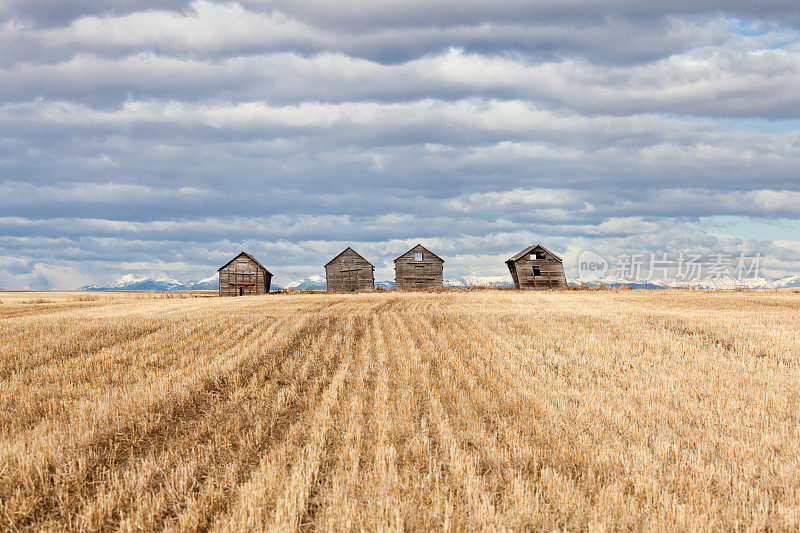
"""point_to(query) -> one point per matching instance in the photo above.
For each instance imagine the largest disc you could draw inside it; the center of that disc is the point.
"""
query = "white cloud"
(16, 193)
(708, 81)
(170, 135)
(774, 201)
(209, 26)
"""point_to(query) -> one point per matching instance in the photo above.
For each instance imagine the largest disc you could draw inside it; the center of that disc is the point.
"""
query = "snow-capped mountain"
(317, 283)
(497, 282)
(155, 282)
(162, 282)
(312, 283)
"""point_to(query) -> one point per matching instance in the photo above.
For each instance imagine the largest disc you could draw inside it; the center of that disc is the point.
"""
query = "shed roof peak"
(423, 249)
(250, 257)
(345, 251)
(529, 249)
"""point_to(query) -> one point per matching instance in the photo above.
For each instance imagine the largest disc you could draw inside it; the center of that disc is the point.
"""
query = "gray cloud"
(170, 135)
(293, 156)
(221, 30)
(715, 81)
(370, 15)
(46, 13)
(393, 13)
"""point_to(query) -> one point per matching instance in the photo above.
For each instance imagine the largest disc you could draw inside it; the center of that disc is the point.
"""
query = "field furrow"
(459, 410)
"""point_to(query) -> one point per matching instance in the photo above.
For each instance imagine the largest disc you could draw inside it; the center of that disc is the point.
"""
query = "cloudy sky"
(166, 136)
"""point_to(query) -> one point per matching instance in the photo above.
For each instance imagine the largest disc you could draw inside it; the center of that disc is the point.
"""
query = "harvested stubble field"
(667, 410)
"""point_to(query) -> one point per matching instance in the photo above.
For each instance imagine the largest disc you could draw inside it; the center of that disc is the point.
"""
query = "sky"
(166, 136)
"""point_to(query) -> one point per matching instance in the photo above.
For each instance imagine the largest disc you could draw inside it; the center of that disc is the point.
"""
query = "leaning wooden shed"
(349, 272)
(243, 275)
(418, 268)
(536, 267)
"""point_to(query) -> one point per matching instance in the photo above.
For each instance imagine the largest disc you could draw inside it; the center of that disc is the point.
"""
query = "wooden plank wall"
(551, 273)
(424, 274)
(246, 274)
(349, 273)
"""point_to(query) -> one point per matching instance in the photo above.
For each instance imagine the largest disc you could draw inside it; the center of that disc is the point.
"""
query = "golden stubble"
(672, 410)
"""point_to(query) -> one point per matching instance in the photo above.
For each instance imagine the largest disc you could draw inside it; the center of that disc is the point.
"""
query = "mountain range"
(155, 282)
(162, 282)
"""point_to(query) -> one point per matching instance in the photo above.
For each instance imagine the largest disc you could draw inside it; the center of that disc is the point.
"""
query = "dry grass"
(673, 410)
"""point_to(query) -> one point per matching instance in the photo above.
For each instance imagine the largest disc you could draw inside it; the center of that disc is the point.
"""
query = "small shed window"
(538, 255)
(537, 271)
(417, 256)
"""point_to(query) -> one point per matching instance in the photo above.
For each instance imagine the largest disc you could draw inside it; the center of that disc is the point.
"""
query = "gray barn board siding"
(524, 265)
(349, 272)
(243, 276)
(425, 273)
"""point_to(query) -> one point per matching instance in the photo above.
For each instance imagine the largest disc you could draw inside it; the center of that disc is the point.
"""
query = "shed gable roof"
(529, 249)
(250, 257)
(348, 249)
(424, 250)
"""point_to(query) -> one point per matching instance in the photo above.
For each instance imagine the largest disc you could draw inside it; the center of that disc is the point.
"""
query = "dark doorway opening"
(241, 291)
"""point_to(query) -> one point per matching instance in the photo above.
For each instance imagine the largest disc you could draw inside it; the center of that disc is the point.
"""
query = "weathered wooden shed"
(536, 267)
(243, 275)
(418, 268)
(349, 272)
